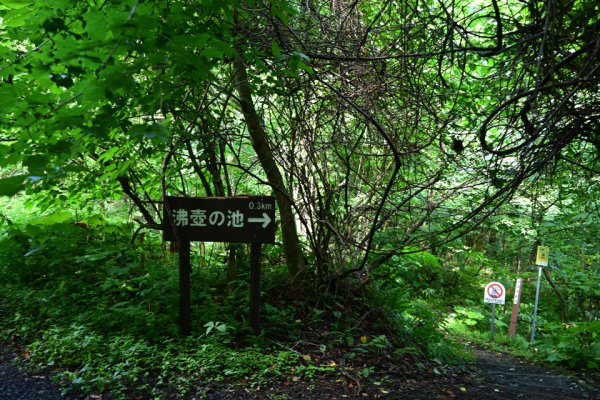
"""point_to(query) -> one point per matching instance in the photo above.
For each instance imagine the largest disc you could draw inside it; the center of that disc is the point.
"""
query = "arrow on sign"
(265, 220)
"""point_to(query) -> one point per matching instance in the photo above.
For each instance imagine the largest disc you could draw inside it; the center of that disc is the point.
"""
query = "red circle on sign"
(495, 291)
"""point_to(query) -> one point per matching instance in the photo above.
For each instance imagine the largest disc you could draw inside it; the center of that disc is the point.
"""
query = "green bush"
(92, 362)
(576, 344)
(417, 323)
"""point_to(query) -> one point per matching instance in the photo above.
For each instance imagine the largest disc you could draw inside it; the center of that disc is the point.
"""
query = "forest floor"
(490, 375)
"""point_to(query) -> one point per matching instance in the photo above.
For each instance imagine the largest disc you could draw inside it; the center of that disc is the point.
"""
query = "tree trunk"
(291, 244)
(564, 312)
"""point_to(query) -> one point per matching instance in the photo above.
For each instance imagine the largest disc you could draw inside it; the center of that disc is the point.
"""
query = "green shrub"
(576, 344)
(466, 319)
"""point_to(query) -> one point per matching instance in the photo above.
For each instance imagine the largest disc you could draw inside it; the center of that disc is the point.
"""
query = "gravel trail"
(493, 376)
(500, 376)
(16, 384)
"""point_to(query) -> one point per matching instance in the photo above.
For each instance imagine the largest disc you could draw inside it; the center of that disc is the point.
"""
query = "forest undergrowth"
(100, 310)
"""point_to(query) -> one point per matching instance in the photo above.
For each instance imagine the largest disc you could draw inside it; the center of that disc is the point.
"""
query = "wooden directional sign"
(242, 219)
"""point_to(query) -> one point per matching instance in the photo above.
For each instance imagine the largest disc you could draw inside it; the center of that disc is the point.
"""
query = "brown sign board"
(241, 219)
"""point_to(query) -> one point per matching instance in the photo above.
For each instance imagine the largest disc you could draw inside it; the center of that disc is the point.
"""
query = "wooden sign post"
(254, 312)
(515, 310)
(242, 219)
(185, 293)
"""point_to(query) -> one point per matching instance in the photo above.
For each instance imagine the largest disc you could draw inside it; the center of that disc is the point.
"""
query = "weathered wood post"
(512, 330)
(185, 288)
(255, 253)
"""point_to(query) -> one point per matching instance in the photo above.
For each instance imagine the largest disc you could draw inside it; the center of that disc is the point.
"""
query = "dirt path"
(16, 384)
(500, 376)
(492, 376)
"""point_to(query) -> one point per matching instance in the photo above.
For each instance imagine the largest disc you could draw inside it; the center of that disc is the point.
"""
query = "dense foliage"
(417, 117)
(89, 301)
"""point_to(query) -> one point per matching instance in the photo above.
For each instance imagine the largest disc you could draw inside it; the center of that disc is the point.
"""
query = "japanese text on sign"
(197, 217)
(247, 219)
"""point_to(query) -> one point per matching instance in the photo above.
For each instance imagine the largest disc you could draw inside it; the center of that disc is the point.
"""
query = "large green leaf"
(36, 163)
(56, 217)
(15, 4)
(13, 185)
(16, 18)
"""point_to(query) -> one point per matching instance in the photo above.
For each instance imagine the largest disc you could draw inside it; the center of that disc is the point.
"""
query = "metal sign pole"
(493, 319)
(535, 310)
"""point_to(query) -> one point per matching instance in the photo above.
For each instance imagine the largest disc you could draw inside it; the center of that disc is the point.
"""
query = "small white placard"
(494, 293)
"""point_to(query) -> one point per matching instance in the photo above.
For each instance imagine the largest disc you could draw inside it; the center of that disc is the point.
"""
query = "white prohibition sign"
(494, 293)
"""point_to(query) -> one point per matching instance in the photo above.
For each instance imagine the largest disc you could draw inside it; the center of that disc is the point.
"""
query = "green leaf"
(109, 154)
(212, 52)
(276, 50)
(16, 4)
(111, 167)
(95, 24)
(279, 10)
(95, 220)
(16, 18)
(36, 164)
(595, 350)
(9, 98)
(155, 133)
(11, 186)
(53, 218)
(92, 90)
